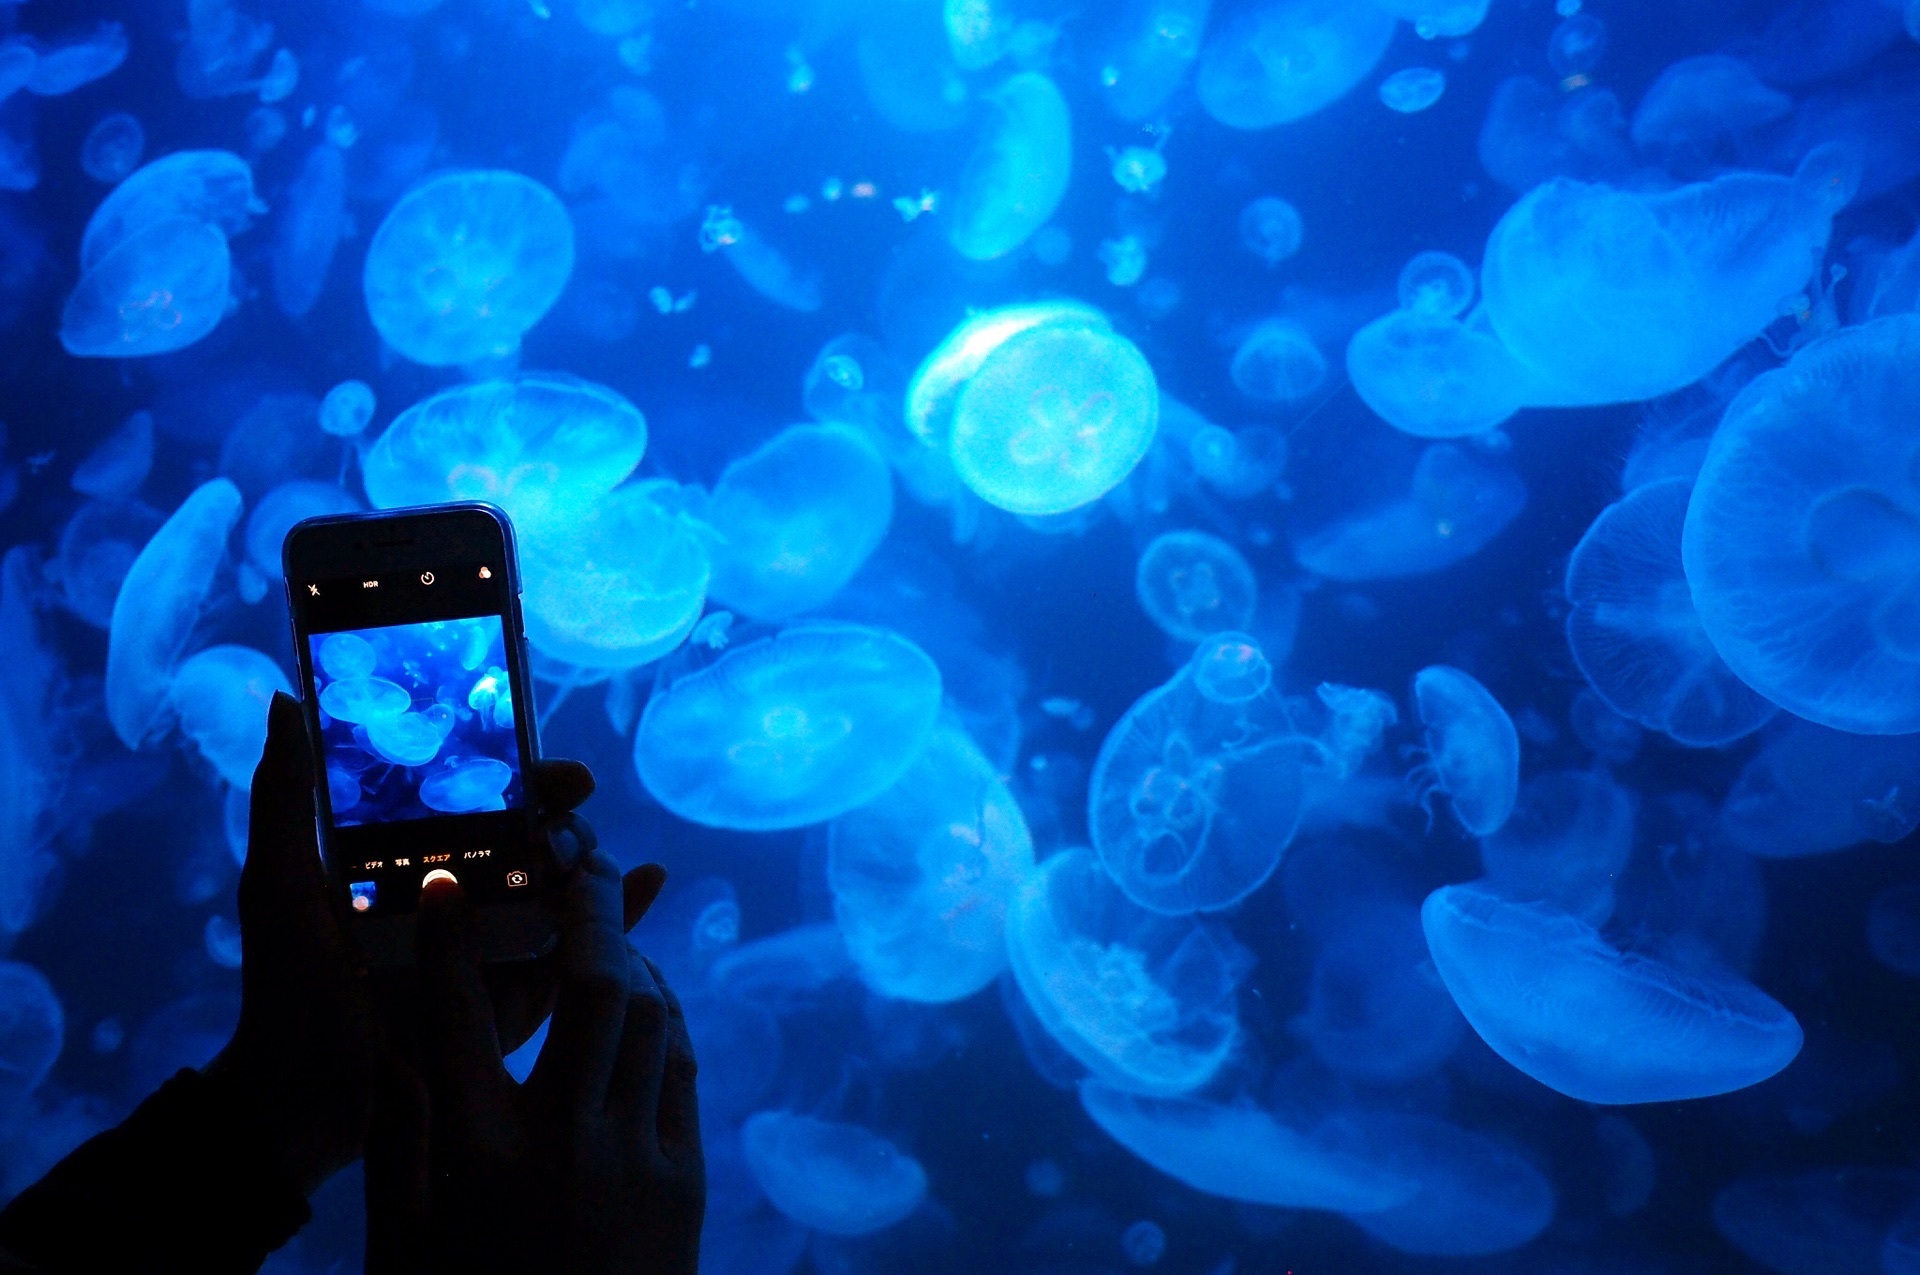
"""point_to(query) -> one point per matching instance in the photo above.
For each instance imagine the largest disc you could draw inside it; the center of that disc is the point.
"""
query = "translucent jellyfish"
(1810, 790)
(1230, 668)
(1271, 229)
(1376, 1009)
(1628, 1160)
(465, 263)
(364, 699)
(346, 656)
(162, 288)
(1437, 284)
(1016, 177)
(280, 509)
(907, 70)
(1802, 541)
(784, 970)
(935, 389)
(1473, 750)
(789, 730)
(1143, 1243)
(1236, 463)
(33, 1029)
(211, 187)
(1459, 503)
(18, 58)
(1057, 417)
(460, 787)
(221, 695)
(1439, 19)
(1278, 362)
(1584, 1018)
(312, 216)
(1156, 42)
(1635, 634)
(830, 1176)
(739, 1047)
(1474, 1195)
(405, 739)
(77, 59)
(1139, 170)
(1434, 376)
(542, 447)
(113, 148)
(1893, 927)
(1699, 100)
(1567, 843)
(1143, 1001)
(347, 409)
(922, 876)
(1192, 584)
(771, 273)
(1413, 89)
(1614, 296)
(1815, 1222)
(1242, 1153)
(120, 462)
(1287, 59)
(622, 586)
(97, 548)
(158, 605)
(796, 519)
(1576, 45)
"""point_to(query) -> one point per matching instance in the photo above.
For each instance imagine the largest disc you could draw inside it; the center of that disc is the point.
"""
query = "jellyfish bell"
(1017, 176)
(1472, 747)
(1192, 584)
(935, 389)
(1287, 59)
(220, 697)
(830, 1176)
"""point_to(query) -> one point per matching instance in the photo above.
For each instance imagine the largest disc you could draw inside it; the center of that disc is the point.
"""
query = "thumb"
(283, 847)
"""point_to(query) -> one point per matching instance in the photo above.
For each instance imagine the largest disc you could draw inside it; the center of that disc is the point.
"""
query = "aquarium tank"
(1259, 635)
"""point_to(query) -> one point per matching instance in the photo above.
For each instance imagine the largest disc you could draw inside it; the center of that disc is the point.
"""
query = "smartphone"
(413, 672)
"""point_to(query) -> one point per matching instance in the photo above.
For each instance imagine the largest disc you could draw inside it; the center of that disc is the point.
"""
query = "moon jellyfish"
(97, 549)
(478, 783)
(362, 700)
(1413, 89)
(1810, 790)
(1287, 59)
(782, 971)
(33, 1029)
(1459, 503)
(789, 730)
(1016, 177)
(120, 463)
(922, 876)
(1192, 584)
(405, 739)
(1437, 284)
(1156, 42)
(1143, 1243)
(829, 1176)
(934, 392)
(1699, 100)
(542, 447)
(1555, 999)
(214, 188)
(159, 603)
(465, 263)
(1143, 1001)
(1271, 229)
(1818, 1221)
(1230, 668)
(1635, 634)
(347, 409)
(796, 519)
(1802, 540)
(1434, 376)
(1439, 19)
(1576, 45)
(278, 511)
(346, 656)
(113, 148)
(1567, 843)
(770, 273)
(1278, 362)
(1242, 1153)
(312, 217)
(78, 59)
(160, 289)
(1194, 797)
(220, 696)
(1473, 1194)
(1376, 1009)
(1473, 750)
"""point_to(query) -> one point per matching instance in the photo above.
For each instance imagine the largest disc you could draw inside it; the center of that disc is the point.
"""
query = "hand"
(594, 1165)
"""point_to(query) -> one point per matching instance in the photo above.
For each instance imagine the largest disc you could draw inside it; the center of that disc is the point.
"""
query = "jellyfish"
(97, 549)
(1473, 1195)
(1628, 1160)
(1439, 19)
(1576, 45)
(542, 447)
(789, 730)
(1555, 999)
(1473, 750)
(1412, 89)
(362, 700)
(1802, 539)
(456, 788)
(344, 656)
(620, 587)
(1376, 1009)
(1194, 797)
(277, 512)
(978, 32)
(1143, 1001)
(465, 263)
(312, 217)
(158, 605)
(783, 970)
(1810, 791)
(18, 58)
(1287, 59)
(1893, 927)
(120, 462)
(405, 739)
(770, 273)
(78, 59)
(220, 696)
(1156, 42)
(1236, 463)
(1270, 229)
(935, 389)
(214, 188)
(1278, 362)
(907, 70)
(1459, 503)
(831, 1176)
(1230, 668)
(1016, 177)
(113, 148)
(32, 1031)
(1192, 584)
(1635, 634)
(1437, 284)
(922, 877)
(1435, 376)
(162, 288)
(1242, 1153)
(1696, 101)
(1815, 1222)
(347, 409)
(796, 519)
(1567, 843)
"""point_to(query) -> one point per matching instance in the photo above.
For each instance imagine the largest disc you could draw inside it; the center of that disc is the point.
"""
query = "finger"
(576, 1064)
(560, 784)
(396, 1172)
(571, 839)
(678, 1123)
(638, 890)
(283, 847)
(465, 1075)
(634, 1097)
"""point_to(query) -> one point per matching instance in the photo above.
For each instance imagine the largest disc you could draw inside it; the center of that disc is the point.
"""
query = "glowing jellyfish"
(363, 700)
(1195, 797)
(1192, 584)
(1376, 1009)
(621, 586)
(1473, 1194)
(121, 461)
(1437, 284)
(158, 605)
(161, 288)
(1697, 101)
(1458, 504)
(214, 188)
(830, 1176)
(33, 1029)
(220, 696)
(922, 876)
(1556, 1000)
(1287, 59)
(1278, 362)
(1435, 376)
(347, 409)
(280, 509)
(1818, 1221)
(1810, 790)
(1567, 843)
(1613, 296)
(1802, 540)
(1576, 45)
(113, 148)
(1635, 634)
(769, 272)
(465, 263)
(97, 548)
(1271, 229)
(405, 739)
(465, 786)
(1439, 19)
(796, 519)
(935, 389)
(1155, 46)
(1143, 1001)
(1413, 89)
(1242, 1153)
(1139, 170)
(781, 971)
(1472, 747)
(1143, 1243)
(312, 217)
(1230, 668)
(1017, 176)
(345, 656)
(789, 730)
(542, 447)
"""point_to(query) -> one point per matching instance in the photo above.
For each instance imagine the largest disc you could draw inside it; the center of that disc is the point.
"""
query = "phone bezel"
(404, 540)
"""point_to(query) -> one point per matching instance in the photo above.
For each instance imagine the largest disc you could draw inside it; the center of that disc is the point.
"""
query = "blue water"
(1267, 635)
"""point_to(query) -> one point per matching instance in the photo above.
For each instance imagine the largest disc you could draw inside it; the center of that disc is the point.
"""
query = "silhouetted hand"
(594, 1165)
